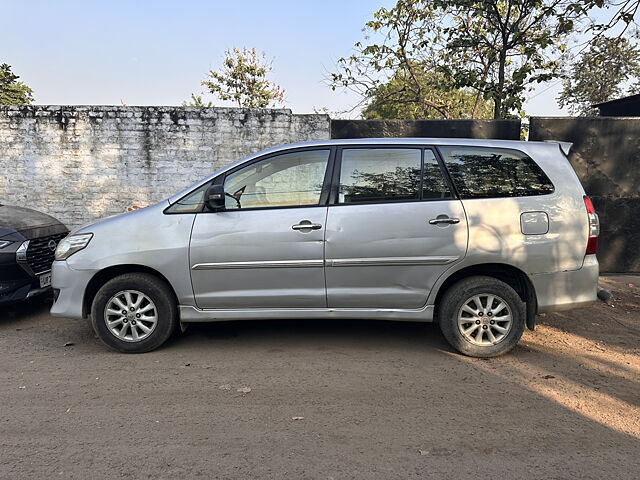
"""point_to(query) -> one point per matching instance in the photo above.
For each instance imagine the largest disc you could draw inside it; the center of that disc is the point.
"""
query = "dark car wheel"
(134, 313)
(482, 317)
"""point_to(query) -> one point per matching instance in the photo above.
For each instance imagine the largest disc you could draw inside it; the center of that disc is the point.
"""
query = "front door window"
(287, 180)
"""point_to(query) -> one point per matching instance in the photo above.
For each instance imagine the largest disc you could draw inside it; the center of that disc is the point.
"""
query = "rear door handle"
(306, 225)
(443, 219)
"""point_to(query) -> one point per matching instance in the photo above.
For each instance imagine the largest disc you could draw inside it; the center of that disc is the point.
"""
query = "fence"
(606, 157)
(85, 162)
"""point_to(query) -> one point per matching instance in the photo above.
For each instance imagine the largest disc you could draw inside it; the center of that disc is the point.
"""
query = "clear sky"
(157, 52)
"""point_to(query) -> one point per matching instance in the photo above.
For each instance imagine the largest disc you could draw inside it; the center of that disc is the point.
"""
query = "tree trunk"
(497, 109)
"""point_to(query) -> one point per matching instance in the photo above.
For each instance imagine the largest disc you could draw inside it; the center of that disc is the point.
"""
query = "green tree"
(521, 41)
(399, 76)
(396, 99)
(13, 92)
(613, 13)
(442, 53)
(243, 80)
(610, 68)
(197, 101)
(503, 47)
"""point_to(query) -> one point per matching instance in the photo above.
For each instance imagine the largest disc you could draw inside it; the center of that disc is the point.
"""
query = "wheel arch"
(509, 274)
(106, 274)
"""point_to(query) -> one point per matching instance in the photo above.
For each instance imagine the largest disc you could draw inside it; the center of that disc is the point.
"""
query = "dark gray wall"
(498, 129)
(606, 157)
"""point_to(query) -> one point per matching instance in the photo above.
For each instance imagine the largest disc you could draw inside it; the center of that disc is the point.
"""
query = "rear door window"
(379, 175)
(374, 175)
(482, 172)
(434, 186)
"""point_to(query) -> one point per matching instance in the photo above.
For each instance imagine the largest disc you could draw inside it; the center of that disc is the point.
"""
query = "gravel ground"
(323, 399)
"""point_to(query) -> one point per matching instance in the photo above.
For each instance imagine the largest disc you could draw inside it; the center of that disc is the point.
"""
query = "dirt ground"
(327, 399)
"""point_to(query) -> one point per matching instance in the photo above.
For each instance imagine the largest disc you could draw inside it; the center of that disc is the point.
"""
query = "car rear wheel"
(134, 313)
(482, 317)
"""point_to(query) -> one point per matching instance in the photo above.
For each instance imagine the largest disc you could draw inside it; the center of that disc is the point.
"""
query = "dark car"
(28, 240)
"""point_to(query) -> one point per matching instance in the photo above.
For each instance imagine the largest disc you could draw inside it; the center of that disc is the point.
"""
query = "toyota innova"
(477, 235)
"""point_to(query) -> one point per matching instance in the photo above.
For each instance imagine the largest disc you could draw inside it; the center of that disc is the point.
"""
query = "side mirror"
(214, 197)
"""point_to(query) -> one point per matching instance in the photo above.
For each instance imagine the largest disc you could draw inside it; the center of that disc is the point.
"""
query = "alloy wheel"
(130, 315)
(484, 319)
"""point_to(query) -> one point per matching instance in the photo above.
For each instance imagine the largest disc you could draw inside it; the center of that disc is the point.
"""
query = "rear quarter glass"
(485, 172)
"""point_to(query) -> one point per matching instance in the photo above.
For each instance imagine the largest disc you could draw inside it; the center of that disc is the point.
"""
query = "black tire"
(157, 291)
(454, 299)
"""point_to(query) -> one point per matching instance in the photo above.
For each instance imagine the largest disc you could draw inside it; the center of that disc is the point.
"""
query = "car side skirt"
(190, 314)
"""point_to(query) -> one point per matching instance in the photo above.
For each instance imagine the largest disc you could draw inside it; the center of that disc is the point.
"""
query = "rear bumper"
(69, 285)
(566, 290)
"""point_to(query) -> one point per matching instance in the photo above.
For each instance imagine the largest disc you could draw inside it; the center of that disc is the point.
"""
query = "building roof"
(618, 101)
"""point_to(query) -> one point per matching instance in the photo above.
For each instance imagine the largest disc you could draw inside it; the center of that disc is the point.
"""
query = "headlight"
(72, 244)
(5, 243)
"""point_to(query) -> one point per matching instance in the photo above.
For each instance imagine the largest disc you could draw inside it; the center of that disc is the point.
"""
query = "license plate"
(45, 280)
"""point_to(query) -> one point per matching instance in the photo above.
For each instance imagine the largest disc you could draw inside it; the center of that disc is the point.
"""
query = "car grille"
(39, 253)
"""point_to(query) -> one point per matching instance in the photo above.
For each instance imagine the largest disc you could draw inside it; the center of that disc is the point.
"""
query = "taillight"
(594, 227)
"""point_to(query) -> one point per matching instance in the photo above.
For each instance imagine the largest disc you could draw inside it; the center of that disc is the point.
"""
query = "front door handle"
(306, 225)
(443, 219)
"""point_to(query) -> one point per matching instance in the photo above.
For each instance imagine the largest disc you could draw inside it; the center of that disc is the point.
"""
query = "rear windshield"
(482, 172)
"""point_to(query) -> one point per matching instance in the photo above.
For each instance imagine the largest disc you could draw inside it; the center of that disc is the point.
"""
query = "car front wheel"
(482, 317)
(134, 313)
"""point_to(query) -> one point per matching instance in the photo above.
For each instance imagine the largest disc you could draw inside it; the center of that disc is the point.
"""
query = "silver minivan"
(477, 235)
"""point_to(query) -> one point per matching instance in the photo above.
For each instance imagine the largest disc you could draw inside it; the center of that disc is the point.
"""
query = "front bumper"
(22, 292)
(69, 286)
(566, 290)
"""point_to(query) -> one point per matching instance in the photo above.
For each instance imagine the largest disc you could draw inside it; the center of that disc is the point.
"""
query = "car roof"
(412, 140)
(406, 141)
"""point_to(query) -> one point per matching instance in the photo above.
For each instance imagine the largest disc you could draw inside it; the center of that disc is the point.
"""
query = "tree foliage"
(504, 47)
(620, 13)
(400, 76)
(396, 99)
(197, 101)
(609, 69)
(243, 80)
(448, 58)
(12, 91)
